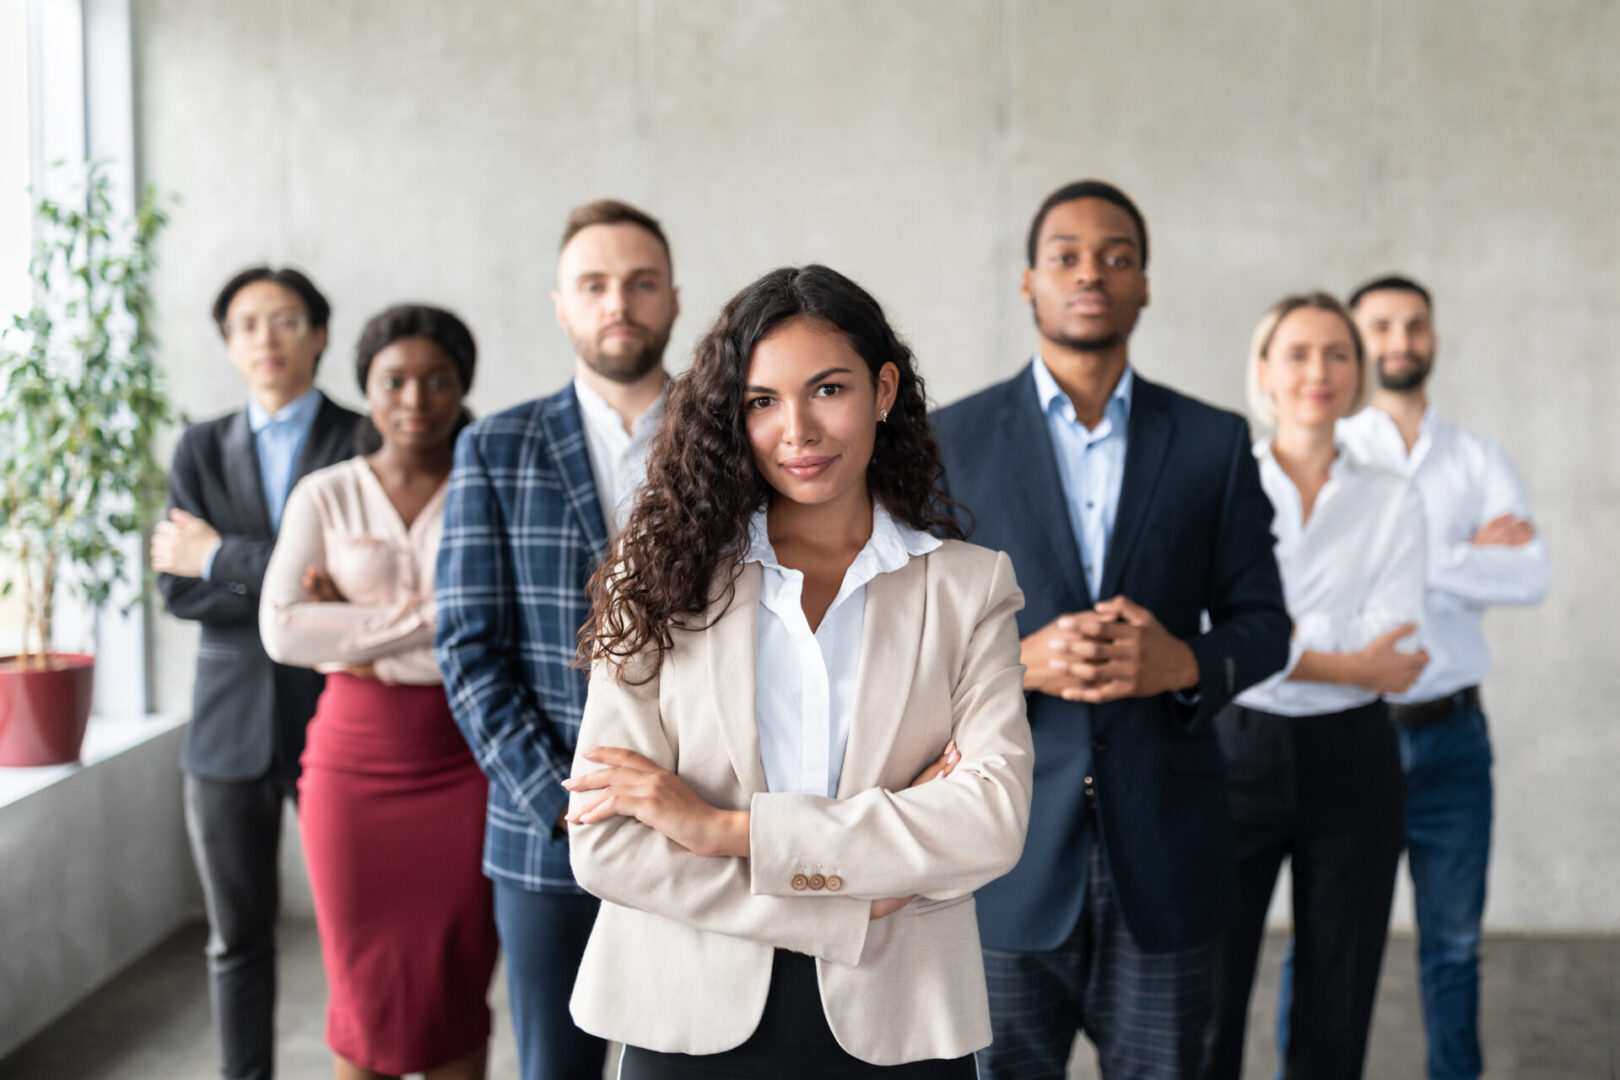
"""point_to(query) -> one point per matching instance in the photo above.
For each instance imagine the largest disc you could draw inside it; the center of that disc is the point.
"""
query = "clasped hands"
(635, 786)
(1116, 650)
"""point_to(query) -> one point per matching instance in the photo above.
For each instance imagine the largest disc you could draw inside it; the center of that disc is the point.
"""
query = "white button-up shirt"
(1464, 481)
(618, 457)
(1351, 572)
(1091, 465)
(805, 681)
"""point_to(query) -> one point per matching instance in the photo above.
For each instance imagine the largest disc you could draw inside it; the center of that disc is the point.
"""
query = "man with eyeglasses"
(227, 486)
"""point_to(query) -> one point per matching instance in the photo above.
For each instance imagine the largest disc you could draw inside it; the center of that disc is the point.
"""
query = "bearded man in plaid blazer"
(534, 497)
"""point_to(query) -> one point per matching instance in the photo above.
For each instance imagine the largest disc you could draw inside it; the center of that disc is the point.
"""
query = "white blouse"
(1354, 571)
(339, 519)
(805, 681)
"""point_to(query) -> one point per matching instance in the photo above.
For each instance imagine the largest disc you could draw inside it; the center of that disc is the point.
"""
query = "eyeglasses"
(284, 323)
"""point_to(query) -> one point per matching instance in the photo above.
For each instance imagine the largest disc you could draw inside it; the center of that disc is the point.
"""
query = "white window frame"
(81, 103)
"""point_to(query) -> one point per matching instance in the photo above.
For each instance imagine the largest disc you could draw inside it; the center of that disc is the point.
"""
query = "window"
(66, 92)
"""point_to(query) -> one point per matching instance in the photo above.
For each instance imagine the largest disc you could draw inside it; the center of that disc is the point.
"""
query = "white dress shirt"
(1464, 481)
(618, 457)
(1351, 572)
(805, 681)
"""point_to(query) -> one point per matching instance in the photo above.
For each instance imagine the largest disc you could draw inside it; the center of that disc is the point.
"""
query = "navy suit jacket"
(1192, 535)
(523, 533)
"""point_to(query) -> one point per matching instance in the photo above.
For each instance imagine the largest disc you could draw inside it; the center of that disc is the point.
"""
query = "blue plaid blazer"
(523, 532)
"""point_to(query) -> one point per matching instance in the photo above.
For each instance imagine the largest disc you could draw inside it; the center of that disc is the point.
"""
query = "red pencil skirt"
(391, 807)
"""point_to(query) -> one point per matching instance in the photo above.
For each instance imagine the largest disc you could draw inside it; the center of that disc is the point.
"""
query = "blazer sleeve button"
(800, 883)
(834, 883)
(817, 881)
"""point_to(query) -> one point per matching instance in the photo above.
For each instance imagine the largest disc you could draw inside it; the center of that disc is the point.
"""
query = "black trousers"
(1327, 793)
(792, 1040)
(235, 831)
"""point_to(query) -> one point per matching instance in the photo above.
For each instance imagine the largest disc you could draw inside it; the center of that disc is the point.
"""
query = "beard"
(1098, 343)
(1409, 378)
(626, 367)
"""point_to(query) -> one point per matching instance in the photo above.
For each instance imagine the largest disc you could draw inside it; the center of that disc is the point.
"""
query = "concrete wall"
(414, 149)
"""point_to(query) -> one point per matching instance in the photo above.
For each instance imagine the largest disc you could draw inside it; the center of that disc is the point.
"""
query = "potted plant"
(81, 403)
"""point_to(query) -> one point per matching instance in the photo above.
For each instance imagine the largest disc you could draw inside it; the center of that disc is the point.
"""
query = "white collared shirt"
(1464, 482)
(1351, 572)
(618, 457)
(805, 681)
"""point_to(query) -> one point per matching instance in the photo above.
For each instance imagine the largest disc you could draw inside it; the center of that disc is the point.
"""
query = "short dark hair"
(1395, 282)
(613, 212)
(444, 328)
(320, 312)
(1087, 189)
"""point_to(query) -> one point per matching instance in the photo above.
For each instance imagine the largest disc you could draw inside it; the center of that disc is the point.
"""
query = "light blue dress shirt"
(279, 438)
(1091, 465)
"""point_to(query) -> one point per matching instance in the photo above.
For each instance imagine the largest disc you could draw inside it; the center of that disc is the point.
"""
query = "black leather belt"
(1423, 713)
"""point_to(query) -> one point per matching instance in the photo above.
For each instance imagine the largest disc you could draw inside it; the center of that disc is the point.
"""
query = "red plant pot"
(44, 711)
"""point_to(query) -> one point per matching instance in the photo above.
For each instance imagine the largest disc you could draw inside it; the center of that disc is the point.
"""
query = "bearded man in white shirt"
(1483, 550)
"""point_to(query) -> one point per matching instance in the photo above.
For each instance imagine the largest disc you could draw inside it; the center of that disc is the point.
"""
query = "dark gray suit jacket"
(248, 713)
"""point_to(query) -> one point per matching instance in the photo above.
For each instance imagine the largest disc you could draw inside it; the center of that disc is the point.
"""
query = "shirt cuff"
(208, 562)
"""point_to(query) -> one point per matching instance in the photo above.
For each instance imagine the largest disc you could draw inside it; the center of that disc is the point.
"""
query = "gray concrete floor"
(1551, 1011)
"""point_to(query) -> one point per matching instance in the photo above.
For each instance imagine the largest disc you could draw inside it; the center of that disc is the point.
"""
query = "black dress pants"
(792, 1040)
(235, 830)
(1327, 793)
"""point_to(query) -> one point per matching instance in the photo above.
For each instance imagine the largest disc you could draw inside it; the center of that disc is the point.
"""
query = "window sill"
(105, 738)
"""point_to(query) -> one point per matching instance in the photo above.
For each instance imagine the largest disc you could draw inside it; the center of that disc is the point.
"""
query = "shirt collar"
(602, 416)
(1371, 414)
(299, 412)
(891, 546)
(1344, 461)
(1051, 395)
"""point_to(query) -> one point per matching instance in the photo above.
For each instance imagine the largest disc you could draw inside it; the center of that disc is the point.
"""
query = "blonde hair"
(1262, 406)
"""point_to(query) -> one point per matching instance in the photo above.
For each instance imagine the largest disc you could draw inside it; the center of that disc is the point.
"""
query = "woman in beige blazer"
(805, 742)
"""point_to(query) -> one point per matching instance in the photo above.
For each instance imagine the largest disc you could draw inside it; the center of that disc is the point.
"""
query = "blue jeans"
(1448, 837)
(543, 936)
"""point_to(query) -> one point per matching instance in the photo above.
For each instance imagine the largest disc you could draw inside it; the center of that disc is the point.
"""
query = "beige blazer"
(680, 958)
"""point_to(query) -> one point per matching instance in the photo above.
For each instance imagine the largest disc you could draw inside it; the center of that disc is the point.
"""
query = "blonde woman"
(1313, 765)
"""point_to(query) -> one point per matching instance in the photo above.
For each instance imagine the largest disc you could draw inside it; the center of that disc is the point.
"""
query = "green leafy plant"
(82, 400)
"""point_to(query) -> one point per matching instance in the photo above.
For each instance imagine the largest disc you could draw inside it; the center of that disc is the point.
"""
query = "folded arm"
(940, 839)
(630, 864)
(230, 592)
(305, 632)
(1495, 573)
(1359, 648)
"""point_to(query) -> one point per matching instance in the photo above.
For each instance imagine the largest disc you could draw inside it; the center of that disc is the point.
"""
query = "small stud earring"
(883, 414)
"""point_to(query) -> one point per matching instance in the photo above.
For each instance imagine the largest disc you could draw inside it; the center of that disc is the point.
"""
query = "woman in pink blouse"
(391, 800)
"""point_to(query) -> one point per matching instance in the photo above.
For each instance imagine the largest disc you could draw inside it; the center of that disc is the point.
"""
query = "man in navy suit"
(535, 496)
(1142, 540)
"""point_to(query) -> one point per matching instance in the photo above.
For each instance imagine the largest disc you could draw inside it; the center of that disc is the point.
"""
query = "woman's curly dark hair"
(685, 540)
